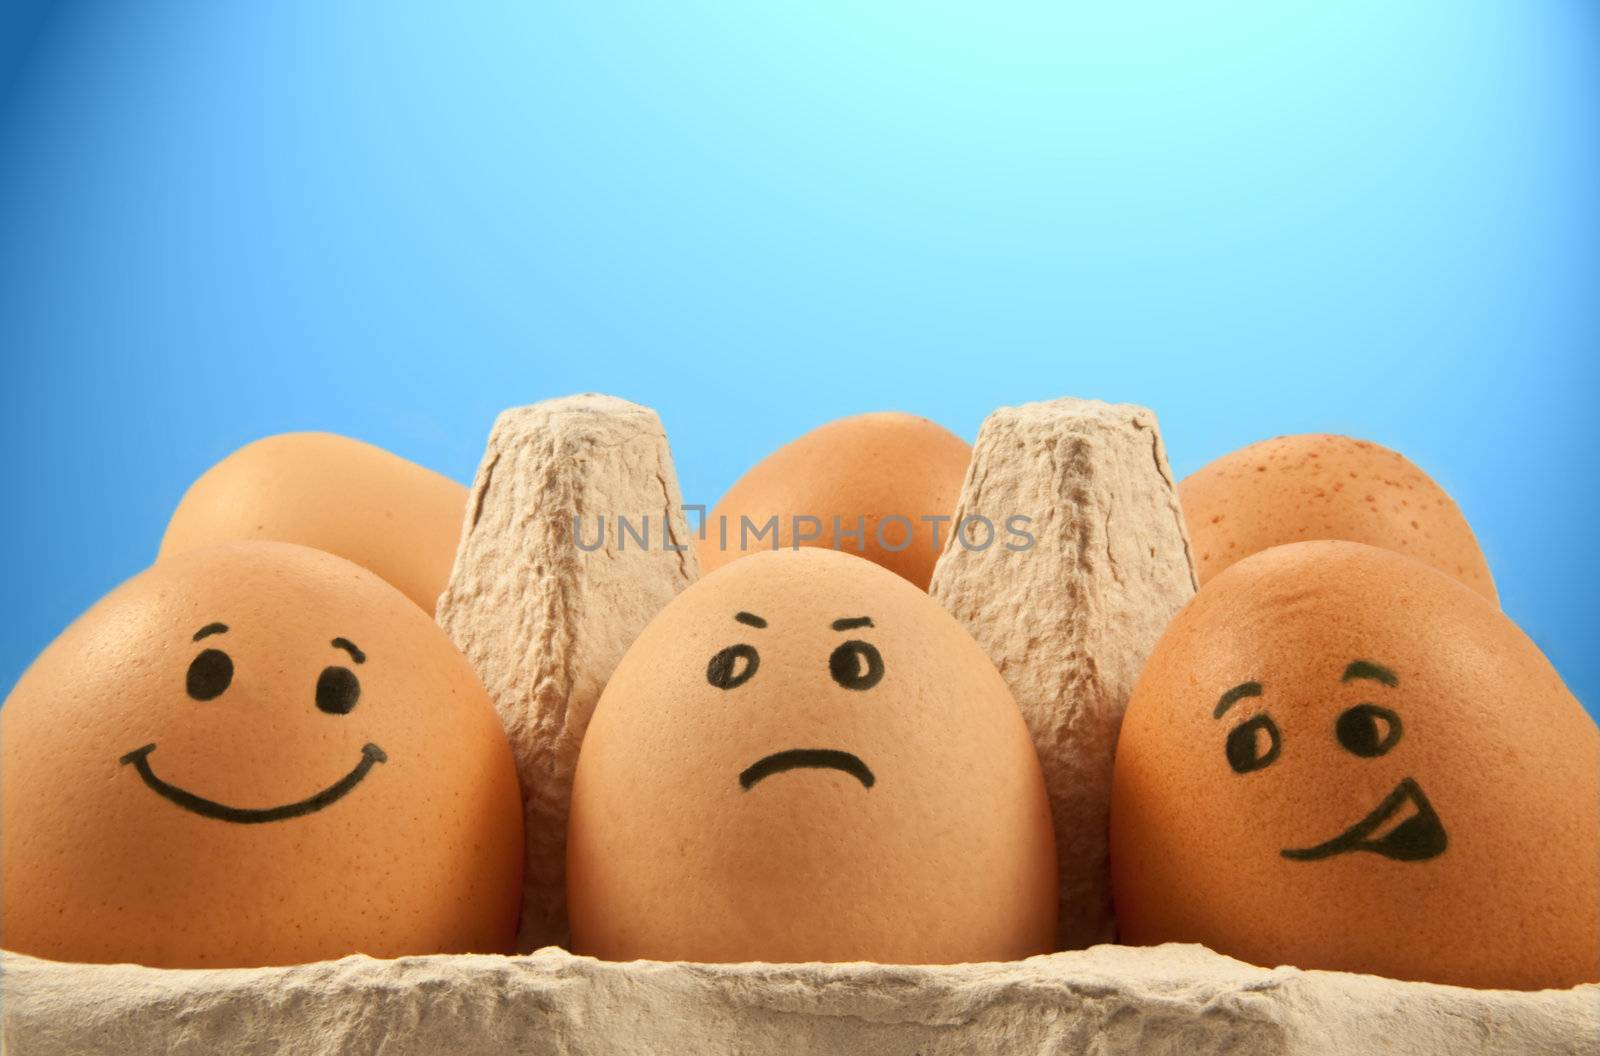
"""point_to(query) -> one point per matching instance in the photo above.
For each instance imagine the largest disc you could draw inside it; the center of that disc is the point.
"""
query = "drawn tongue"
(1396, 821)
(1419, 835)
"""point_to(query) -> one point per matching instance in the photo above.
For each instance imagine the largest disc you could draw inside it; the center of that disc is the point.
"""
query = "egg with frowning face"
(804, 758)
(1338, 757)
(255, 754)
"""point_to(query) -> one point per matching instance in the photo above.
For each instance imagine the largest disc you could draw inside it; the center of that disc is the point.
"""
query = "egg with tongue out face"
(1338, 757)
(804, 758)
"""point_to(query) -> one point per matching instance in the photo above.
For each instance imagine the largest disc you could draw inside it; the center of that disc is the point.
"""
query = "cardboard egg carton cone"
(549, 589)
(1069, 620)
(545, 622)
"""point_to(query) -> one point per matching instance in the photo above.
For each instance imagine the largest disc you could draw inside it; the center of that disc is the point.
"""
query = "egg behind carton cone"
(1294, 489)
(330, 492)
(882, 486)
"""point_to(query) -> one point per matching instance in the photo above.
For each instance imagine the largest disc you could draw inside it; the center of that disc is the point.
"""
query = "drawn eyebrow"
(1368, 669)
(350, 647)
(750, 619)
(1237, 693)
(210, 628)
(852, 623)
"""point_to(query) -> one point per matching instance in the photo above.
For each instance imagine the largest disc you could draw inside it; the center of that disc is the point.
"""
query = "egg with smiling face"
(804, 758)
(255, 754)
(1339, 757)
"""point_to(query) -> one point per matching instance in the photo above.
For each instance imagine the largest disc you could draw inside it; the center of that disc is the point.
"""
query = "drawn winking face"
(1366, 730)
(1336, 757)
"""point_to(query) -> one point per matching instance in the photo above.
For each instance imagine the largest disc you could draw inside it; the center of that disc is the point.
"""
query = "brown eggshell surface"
(1398, 783)
(323, 777)
(333, 493)
(1298, 488)
(867, 471)
(688, 838)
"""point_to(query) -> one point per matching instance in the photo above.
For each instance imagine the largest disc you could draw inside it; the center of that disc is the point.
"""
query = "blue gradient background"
(223, 220)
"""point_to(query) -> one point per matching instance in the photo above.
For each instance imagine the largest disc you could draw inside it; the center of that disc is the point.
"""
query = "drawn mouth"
(1416, 838)
(807, 758)
(371, 754)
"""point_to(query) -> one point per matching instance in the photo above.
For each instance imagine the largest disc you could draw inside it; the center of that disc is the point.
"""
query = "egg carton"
(544, 622)
(1106, 1000)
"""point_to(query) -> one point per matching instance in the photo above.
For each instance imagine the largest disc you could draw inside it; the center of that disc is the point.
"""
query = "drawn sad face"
(255, 754)
(1337, 757)
(854, 664)
(804, 758)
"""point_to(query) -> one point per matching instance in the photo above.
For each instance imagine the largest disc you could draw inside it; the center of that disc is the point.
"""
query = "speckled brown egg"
(881, 486)
(333, 493)
(1338, 757)
(1297, 488)
(803, 758)
(255, 754)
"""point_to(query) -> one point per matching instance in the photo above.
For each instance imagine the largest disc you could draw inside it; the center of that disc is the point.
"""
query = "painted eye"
(338, 689)
(1253, 744)
(210, 673)
(725, 670)
(856, 665)
(1367, 730)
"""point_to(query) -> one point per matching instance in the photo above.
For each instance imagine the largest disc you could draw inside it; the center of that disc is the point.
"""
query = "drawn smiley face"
(209, 675)
(1366, 730)
(803, 757)
(287, 734)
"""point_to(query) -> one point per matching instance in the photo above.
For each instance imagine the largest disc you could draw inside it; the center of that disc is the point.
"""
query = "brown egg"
(1297, 488)
(882, 486)
(1338, 757)
(255, 754)
(335, 494)
(803, 758)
